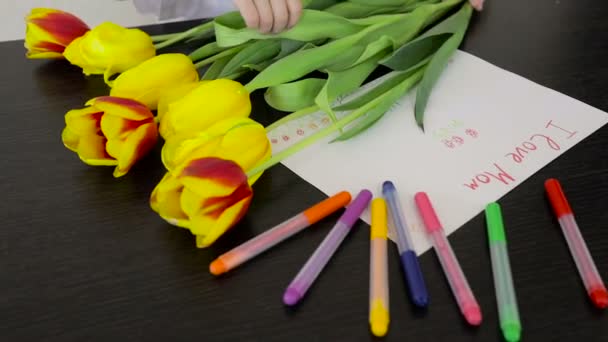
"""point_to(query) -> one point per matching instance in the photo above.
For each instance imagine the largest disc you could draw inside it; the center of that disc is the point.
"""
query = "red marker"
(586, 267)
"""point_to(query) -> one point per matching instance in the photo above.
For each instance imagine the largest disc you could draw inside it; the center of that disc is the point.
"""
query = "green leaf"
(298, 64)
(384, 2)
(344, 60)
(256, 52)
(257, 67)
(206, 51)
(318, 4)
(313, 25)
(352, 10)
(385, 102)
(289, 46)
(438, 63)
(399, 30)
(291, 97)
(414, 52)
(391, 80)
(424, 45)
(343, 82)
(226, 53)
(216, 68)
(366, 8)
(372, 49)
(394, 31)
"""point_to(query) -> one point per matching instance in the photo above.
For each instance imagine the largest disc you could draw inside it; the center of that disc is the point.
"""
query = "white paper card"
(486, 131)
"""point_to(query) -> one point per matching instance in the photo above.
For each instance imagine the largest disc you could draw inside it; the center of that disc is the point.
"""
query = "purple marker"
(315, 264)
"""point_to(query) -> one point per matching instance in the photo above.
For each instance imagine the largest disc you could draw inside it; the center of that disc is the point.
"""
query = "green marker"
(503, 282)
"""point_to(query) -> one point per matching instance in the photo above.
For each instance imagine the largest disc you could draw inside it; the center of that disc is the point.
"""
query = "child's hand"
(477, 4)
(270, 15)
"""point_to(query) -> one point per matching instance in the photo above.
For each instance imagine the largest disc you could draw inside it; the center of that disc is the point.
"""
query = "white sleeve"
(184, 9)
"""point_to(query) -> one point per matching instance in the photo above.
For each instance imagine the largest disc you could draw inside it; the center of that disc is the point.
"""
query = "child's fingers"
(249, 12)
(266, 16)
(295, 11)
(477, 4)
(281, 15)
(270, 15)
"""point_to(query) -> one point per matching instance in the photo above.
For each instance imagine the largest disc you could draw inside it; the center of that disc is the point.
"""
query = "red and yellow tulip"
(218, 159)
(49, 31)
(208, 197)
(109, 49)
(205, 105)
(241, 140)
(110, 131)
(146, 82)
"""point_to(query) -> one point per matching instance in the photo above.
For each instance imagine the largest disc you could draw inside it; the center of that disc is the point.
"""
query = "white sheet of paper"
(486, 131)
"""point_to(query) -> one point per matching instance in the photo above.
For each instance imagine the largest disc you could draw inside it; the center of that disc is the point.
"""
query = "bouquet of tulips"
(213, 152)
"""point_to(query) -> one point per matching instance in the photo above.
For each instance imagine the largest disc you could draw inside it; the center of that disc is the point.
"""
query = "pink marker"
(460, 287)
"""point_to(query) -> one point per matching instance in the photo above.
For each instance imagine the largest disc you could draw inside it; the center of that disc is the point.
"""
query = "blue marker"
(409, 259)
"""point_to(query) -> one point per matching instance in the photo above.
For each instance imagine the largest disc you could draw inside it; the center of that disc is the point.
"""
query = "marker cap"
(431, 221)
(356, 207)
(321, 210)
(496, 229)
(379, 227)
(557, 198)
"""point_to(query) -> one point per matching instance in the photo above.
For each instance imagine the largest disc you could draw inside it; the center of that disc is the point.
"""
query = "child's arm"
(184, 9)
(270, 15)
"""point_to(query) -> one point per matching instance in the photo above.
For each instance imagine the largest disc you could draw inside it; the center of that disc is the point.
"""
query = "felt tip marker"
(378, 273)
(508, 312)
(453, 272)
(578, 248)
(407, 254)
(278, 234)
(317, 261)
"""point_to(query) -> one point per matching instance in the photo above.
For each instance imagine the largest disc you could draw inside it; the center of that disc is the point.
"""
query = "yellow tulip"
(110, 131)
(207, 104)
(109, 49)
(241, 140)
(49, 31)
(208, 197)
(146, 82)
(170, 95)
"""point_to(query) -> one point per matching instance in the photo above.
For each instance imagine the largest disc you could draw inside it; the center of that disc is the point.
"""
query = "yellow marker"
(378, 282)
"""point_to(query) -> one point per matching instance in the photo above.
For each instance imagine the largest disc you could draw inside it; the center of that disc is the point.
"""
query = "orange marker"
(277, 234)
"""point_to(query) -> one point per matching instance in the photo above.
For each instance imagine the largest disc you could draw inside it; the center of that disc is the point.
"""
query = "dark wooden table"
(83, 258)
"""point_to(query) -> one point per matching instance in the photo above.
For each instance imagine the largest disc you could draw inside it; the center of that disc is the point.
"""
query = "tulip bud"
(207, 104)
(109, 49)
(49, 31)
(146, 82)
(170, 95)
(110, 131)
(241, 140)
(208, 197)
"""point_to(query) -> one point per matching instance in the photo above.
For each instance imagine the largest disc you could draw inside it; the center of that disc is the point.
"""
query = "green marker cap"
(511, 331)
(496, 229)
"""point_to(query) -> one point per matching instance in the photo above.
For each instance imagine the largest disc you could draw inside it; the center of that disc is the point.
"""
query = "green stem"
(181, 36)
(323, 133)
(293, 116)
(338, 125)
(218, 56)
(163, 37)
(234, 76)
